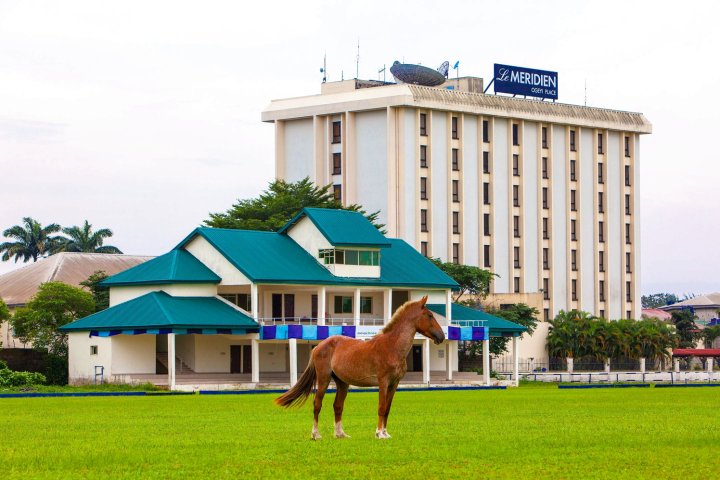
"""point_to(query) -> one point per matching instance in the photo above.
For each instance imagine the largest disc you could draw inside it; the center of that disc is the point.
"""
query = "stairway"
(161, 364)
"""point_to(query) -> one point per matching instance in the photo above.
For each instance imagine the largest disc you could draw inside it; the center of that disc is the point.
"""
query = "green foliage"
(31, 240)
(709, 335)
(54, 305)
(656, 300)
(517, 313)
(472, 280)
(9, 378)
(687, 329)
(83, 239)
(100, 294)
(4, 314)
(279, 204)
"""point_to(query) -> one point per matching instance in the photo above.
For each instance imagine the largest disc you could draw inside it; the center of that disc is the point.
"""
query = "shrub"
(8, 378)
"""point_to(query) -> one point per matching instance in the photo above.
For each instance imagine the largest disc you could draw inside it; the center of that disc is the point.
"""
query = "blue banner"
(526, 81)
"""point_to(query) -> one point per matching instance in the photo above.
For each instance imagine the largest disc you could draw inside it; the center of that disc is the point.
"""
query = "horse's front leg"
(387, 389)
(323, 380)
(388, 403)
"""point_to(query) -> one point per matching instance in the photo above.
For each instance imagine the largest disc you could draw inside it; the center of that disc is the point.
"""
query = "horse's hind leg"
(323, 380)
(342, 390)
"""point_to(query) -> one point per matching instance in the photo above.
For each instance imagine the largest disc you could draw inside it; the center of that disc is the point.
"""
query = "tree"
(709, 335)
(517, 313)
(657, 300)
(4, 313)
(83, 239)
(472, 280)
(279, 204)
(687, 329)
(100, 294)
(31, 240)
(54, 305)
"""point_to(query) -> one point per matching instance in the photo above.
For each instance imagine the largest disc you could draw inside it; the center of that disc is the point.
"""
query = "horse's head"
(427, 325)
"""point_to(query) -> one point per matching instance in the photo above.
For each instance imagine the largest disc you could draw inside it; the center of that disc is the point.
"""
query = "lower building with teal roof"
(245, 308)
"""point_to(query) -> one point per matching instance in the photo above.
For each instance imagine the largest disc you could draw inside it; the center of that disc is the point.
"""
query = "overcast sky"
(143, 116)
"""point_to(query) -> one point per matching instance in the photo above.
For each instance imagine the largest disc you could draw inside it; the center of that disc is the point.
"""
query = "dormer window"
(336, 256)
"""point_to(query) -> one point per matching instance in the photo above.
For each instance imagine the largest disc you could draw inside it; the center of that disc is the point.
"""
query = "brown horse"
(380, 361)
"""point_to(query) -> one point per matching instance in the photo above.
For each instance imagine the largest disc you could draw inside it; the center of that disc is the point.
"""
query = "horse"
(378, 362)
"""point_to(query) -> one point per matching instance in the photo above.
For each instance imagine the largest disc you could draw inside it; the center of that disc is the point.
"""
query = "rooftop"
(342, 228)
(177, 266)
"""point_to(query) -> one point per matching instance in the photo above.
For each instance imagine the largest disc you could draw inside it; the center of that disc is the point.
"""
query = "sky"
(144, 116)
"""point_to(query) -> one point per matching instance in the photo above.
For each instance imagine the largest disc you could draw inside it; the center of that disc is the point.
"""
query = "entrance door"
(236, 358)
(414, 359)
(246, 359)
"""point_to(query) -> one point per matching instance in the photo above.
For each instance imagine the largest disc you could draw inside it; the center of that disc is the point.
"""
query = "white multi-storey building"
(543, 194)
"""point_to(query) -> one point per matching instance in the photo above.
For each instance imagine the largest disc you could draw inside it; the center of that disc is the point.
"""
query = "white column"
(607, 365)
(321, 306)
(356, 307)
(387, 298)
(516, 361)
(570, 364)
(449, 358)
(486, 361)
(426, 361)
(448, 307)
(254, 301)
(255, 360)
(676, 365)
(171, 360)
(710, 364)
(293, 361)
(642, 364)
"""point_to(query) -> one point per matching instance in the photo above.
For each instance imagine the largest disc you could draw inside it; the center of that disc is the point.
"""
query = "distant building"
(543, 194)
(706, 307)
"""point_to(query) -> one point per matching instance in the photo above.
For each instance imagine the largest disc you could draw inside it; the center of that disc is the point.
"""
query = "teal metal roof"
(342, 228)
(267, 257)
(160, 310)
(463, 316)
(177, 266)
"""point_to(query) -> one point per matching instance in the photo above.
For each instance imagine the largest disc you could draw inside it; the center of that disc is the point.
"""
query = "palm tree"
(83, 239)
(32, 240)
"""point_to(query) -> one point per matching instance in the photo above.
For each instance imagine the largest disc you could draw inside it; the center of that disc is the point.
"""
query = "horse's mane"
(400, 312)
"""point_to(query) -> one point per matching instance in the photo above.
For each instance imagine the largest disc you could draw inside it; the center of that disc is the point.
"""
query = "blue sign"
(526, 81)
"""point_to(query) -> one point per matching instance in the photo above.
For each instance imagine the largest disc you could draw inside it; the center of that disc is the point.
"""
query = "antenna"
(586, 92)
(323, 70)
(382, 70)
(357, 61)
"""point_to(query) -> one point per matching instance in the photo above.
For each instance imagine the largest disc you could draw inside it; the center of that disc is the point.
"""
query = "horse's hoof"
(315, 436)
(343, 435)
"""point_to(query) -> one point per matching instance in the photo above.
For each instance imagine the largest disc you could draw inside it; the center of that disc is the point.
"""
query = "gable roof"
(342, 228)
(176, 266)
(160, 310)
(464, 316)
(18, 286)
(268, 257)
(710, 300)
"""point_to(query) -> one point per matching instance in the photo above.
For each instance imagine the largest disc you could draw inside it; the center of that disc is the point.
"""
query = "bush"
(8, 378)
(56, 369)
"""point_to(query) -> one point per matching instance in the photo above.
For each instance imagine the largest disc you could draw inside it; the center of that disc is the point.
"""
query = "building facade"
(543, 194)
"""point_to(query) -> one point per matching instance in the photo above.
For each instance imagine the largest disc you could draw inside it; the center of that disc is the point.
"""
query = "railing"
(333, 321)
(468, 323)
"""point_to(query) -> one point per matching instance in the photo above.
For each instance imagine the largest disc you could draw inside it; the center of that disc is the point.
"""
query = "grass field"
(530, 432)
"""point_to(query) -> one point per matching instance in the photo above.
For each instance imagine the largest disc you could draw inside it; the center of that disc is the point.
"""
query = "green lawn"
(530, 432)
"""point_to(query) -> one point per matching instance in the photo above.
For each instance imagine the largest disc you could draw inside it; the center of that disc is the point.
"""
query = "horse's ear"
(423, 301)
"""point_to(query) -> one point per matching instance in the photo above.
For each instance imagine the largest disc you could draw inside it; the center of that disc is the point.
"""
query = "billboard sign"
(526, 81)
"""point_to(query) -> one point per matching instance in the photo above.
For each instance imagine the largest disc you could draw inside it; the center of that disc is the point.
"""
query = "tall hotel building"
(543, 194)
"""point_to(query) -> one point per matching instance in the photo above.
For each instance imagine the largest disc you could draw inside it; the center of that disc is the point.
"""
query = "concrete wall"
(307, 235)
(215, 261)
(81, 364)
(123, 294)
(371, 161)
(133, 354)
(298, 149)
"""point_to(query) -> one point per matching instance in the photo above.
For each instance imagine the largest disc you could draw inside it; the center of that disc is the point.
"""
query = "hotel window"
(486, 162)
(93, 349)
(423, 124)
(573, 177)
(544, 167)
(573, 260)
(456, 253)
(423, 188)
(601, 232)
(424, 248)
(601, 206)
(546, 289)
(544, 137)
(573, 206)
(516, 165)
(423, 156)
(628, 263)
(546, 231)
(627, 175)
(627, 146)
(486, 193)
(573, 229)
(456, 222)
(454, 123)
(337, 192)
(516, 226)
(486, 256)
(546, 314)
(515, 134)
(486, 224)
(628, 314)
(365, 304)
(516, 195)
(601, 261)
(516, 284)
(455, 160)
(602, 313)
(628, 291)
(337, 163)
(423, 220)
(627, 234)
(546, 258)
(600, 144)
(601, 291)
(545, 198)
(456, 191)
(601, 175)
(516, 257)
(343, 304)
(574, 289)
(336, 132)
(486, 131)
(627, 204)
(572, 141)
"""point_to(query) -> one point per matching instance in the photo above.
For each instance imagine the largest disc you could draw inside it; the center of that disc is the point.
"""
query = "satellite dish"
(444, 68)
(417, 74)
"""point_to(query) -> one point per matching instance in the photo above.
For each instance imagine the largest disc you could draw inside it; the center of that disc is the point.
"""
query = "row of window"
(283, 305)
(333, 256)
(574, 291)
(453, 126)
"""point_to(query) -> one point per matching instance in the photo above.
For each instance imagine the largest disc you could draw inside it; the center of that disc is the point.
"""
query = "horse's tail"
(297, 395)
